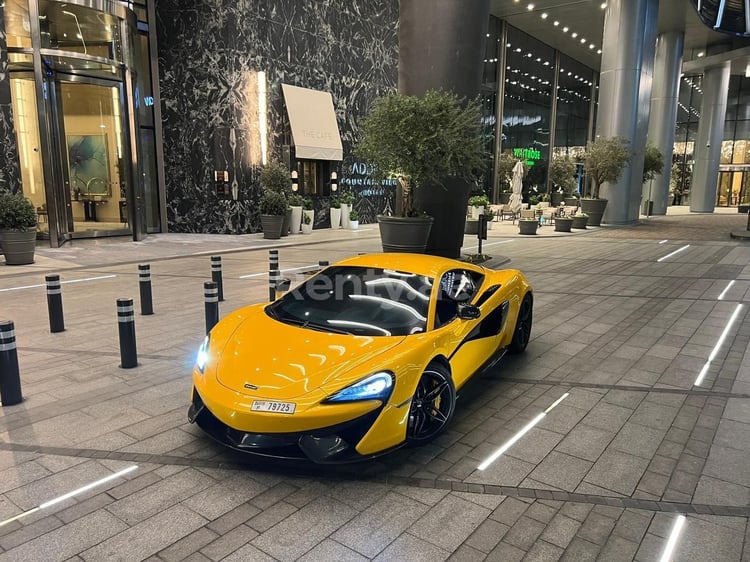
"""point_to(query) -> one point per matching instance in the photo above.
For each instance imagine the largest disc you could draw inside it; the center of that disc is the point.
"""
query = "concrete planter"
(526, 226)
(272, 226)
(404, 234)
(594, 208)
(296, 221)
(286, 222)
(18, 247)
(335, 218)
(580, 222)
(563, 224)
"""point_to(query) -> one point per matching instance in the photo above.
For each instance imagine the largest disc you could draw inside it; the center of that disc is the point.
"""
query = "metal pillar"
(629, 27)
(710, 135)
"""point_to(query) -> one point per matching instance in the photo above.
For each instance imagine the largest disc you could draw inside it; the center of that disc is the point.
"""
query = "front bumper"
(333, 444)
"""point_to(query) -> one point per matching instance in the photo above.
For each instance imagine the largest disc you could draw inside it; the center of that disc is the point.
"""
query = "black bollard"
(273, 270)
(10, 381)
(126, 326)
(322, 263)
(144, 283)
(211, 295)
(54, 304)
(216, 275)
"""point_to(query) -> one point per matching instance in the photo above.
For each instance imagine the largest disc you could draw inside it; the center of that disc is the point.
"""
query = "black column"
(441, 47)
(10, 172)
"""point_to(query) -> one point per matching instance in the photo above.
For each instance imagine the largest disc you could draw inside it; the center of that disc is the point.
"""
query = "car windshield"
(358, 300)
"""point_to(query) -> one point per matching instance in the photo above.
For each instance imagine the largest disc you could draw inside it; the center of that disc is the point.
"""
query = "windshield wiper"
(312, 325)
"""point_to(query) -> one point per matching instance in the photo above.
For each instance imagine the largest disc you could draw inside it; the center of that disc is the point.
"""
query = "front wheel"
(522, 331)
(432, 405)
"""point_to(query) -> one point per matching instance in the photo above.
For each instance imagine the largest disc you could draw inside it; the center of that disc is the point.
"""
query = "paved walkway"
(626, 319)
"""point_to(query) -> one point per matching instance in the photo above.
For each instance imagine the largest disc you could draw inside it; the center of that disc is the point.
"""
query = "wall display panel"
(221, 67)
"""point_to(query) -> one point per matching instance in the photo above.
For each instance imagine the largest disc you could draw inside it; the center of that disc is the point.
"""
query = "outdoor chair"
(507, 213)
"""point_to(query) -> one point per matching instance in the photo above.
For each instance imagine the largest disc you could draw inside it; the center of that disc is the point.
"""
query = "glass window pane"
(17, 27)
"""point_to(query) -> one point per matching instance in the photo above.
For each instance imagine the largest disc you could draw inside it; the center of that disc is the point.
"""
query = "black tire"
(522, 331)
(432, 406)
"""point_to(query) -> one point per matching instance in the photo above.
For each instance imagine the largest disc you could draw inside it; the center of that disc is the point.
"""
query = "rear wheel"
(522, 331)
(432, 405)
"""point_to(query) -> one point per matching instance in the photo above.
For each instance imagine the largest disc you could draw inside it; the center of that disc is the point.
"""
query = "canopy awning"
(315, 132)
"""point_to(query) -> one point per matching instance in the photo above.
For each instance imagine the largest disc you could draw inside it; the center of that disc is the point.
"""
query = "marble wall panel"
(10, 170)
(209, 51)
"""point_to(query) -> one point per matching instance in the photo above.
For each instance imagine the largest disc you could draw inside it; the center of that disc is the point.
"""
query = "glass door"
(724, 189)
(91, 135)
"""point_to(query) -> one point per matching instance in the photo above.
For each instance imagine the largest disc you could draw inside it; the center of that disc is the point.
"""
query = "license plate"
(275, 407)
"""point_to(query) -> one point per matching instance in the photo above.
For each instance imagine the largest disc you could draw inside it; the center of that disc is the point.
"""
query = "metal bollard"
(216, 275)
(273, 272)
(211, 296)
(323, 263)
(10, 381)
(144, 284)
(54, 304)
(126, 327)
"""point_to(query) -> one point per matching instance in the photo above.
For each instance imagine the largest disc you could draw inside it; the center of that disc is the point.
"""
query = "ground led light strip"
(718, 345)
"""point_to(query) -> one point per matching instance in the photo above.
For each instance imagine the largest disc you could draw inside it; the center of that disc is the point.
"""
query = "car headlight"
(202, 357)
(374, 387)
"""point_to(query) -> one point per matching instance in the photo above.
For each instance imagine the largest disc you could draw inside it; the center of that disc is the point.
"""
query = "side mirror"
(468, 312)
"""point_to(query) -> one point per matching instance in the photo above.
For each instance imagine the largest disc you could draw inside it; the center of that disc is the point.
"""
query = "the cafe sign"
(530, 156)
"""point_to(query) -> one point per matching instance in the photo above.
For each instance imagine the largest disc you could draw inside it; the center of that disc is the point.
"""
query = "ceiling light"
(591, 45)
(530, 7)
(507, 45)
(556, 23)
(574, 35)
(583, 40)
(701, 54)
(488, 35)
(544, 15)
(518, 49)
(598, 51)
(747, 71)
(538, 59)
(565, 29)
(604, 5)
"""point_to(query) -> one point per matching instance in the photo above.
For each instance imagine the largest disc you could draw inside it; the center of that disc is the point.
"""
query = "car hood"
(267, 358)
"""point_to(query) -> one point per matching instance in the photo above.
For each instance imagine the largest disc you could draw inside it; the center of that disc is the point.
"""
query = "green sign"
(530, 155)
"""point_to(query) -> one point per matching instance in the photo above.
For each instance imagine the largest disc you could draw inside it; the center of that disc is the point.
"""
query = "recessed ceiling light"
(544, 15)
(488, 35)
(598, 51)
(591, 45)
(556, 23)
(574, 35)
(539, 59)
(565, 29)
(604, 5)
(701, 54)
(508, 45)
(530, 7)
(583, 40)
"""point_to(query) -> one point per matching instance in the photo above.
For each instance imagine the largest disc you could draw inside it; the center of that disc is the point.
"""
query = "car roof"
(421, 264)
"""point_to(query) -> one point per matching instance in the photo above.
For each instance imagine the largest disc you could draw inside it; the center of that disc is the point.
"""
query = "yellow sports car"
(359, 359)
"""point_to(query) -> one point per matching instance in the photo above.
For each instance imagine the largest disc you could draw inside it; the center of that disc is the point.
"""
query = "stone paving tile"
(561, 471)
(505, 552)
(228, 542)
(617, 471)
(68, 541)
(188, 545)
(449, 523)
(302, 530)
(329, 550)
(467, 554)
(380, 524)
(409, 547)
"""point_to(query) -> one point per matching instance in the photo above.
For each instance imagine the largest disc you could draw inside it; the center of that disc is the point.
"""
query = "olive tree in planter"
(653, 163)
(18, 222)
(275, 177)
(273, 206)
(603, 161)
(562, 171)
(504, 175)
(433, 146)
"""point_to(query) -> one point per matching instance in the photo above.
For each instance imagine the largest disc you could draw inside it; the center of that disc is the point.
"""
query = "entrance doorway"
(733, 188)
(91, 138)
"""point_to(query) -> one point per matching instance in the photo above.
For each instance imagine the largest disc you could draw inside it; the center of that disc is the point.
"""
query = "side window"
(457, 286)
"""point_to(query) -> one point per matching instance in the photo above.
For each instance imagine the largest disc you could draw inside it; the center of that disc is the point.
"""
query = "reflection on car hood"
(270, 359)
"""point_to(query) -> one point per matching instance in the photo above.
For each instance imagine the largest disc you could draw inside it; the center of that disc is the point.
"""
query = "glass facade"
(734, 165)
(83, 111)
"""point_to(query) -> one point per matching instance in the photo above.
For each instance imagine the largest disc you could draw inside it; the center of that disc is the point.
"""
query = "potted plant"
(307, 224)
(308, 210)
(433, 146)
(478, 204)
(490, 216)
(18, 221)
(273, 207)
(604, 161)
(295, 203)
(335, 213)
(653, 163)
(562, 171)
(580, 220)
(275, 177)
(527, 226)
(347, 200)
(563, 224)
(353, 220)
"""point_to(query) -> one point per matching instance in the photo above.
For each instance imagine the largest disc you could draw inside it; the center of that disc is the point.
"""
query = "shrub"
(653, 162)
(354, 216)
(307, 204)
(306, 219)
(335, 203)
(16, 212)
(273, 203)
(479, 201)
(275, 177)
